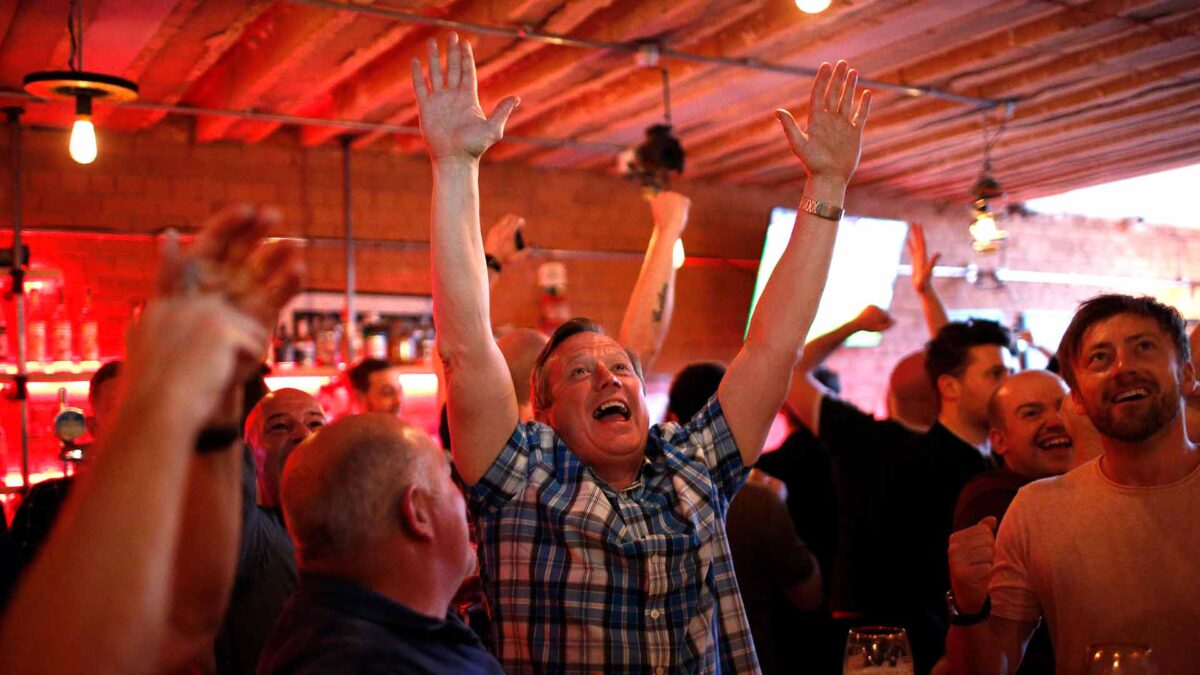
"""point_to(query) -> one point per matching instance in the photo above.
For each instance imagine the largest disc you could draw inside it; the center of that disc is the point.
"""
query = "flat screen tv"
(863, 271)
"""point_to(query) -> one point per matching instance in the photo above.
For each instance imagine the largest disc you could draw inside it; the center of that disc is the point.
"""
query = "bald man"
(381, 540)
(275, 426)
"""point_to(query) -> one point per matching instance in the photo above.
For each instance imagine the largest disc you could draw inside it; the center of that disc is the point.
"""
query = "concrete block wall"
(143, 183)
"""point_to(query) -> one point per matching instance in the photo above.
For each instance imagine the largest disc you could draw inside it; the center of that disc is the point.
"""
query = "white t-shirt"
(1104, 563)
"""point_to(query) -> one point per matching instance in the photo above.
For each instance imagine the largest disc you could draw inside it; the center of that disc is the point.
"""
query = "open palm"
(831, 143)
(452, 121)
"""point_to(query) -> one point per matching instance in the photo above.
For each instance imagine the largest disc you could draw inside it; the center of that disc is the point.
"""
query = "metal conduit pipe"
(633, 47)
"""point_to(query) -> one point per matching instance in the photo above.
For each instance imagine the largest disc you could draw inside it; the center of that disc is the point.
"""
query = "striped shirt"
(583, 578)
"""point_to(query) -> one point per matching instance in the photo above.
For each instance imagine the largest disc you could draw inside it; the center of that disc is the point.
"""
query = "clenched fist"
(971, 553)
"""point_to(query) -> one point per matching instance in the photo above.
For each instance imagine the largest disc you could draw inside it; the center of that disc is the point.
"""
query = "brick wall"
(143, 183)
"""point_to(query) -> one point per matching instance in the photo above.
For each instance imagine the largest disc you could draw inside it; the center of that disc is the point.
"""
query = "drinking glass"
(877, 650)
(1119, 659)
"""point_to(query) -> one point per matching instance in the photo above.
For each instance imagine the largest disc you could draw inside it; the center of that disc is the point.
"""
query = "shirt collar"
(359, 601)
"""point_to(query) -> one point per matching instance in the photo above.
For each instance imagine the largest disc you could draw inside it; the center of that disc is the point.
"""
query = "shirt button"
(660, 670)
(654, 559)
(654, 615)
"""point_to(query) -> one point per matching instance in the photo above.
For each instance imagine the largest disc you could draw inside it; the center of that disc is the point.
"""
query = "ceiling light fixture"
(986, 235)
(661, 154)
(81, 86)
(813, 6)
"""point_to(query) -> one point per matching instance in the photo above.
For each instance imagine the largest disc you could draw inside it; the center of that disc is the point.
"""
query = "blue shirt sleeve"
(509, 473)
(706, 439)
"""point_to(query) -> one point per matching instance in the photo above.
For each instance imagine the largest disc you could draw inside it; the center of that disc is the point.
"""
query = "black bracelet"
(492, 262)
(960, 619)
(216, 438)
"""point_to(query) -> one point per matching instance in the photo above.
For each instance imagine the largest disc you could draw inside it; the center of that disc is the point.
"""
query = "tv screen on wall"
(863, 271)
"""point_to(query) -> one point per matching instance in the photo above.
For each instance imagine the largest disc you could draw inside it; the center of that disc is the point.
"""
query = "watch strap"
(958, 618)
(821, 209)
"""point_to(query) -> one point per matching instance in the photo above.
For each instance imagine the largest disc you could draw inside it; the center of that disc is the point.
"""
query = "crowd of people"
(1006, 520)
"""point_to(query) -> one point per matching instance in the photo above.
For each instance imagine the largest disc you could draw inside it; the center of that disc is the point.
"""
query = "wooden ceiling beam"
(1077, 94)
(273, 45)
(905, 112)
(553, 73)
(958, 178)
(1132, 112)
(515, 58)
(635, 101)
(198, 34)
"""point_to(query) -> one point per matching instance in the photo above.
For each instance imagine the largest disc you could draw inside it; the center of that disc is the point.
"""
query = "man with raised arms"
(602, 540)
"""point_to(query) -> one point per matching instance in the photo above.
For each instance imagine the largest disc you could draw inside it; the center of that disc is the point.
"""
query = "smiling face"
(597, 405)
(287, 416)
(1031, 434)
(1129, 378)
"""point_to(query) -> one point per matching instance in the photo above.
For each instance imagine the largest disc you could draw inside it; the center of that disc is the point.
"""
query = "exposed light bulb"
(985, 233)
(813, 6)
(83, 134)
(83, 141)
(677, 254)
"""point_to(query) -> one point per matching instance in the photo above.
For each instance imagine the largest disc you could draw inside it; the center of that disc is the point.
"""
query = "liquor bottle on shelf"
(306, 347)
(426, 346)
(397, 334)
(4, 354)
(329, 333)
(61, 333)
(89, 330)
(375, 337)
(283, 348)
(35, 331)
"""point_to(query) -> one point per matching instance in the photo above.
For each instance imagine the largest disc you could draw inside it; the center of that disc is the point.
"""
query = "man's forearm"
(975, 650)
(460, 282)
(648, 314)
(822, 346)
(790, 300)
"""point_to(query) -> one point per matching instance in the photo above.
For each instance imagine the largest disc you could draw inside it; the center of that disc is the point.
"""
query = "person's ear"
(416, 512)
(998, 441)
(949, 388)
(1187, 378)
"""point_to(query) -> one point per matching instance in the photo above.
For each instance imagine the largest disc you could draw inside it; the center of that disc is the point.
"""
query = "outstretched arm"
(806, 391)
(648, 315)
(922, 280)
(481, 404)
(757, 380)
(110, 582)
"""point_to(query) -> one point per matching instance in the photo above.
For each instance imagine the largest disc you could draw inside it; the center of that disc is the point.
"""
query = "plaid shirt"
(583, 578)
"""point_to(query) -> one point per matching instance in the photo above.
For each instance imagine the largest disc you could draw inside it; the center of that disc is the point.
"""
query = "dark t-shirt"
(37, 515)
(918, 518)
(334, 626)
(266, 577)
(990, 494)
(862, 448)
(769, 559)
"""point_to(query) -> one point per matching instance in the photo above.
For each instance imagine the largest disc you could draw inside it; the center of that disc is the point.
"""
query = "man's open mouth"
(1055, 442)
(609, 409)
(1131, 394)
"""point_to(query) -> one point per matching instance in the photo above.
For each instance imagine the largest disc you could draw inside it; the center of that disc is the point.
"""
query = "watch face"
(69, 424)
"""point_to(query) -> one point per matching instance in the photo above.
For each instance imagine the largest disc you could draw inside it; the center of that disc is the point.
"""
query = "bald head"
(912, 398)
(1028, 426)
(280, 421)
(341, 489)
(1192, 401)
(521, 348)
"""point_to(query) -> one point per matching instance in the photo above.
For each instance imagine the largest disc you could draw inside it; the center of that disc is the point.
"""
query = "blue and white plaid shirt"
(582, 578)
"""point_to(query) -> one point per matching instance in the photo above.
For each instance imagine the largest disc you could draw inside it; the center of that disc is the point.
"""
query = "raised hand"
(874, 318)
(501, 240)
(670, 211)
(971, 553)
(831, 142)
(452, 121)
(922, 264)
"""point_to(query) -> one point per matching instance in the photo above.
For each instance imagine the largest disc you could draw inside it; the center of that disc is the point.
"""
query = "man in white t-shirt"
(1110, 552)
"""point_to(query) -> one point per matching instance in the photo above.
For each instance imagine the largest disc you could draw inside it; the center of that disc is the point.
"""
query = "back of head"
(1106, 306)
(949, 352)
(521, 348)
(912, 398)
(360, 373)
(577, 325)
(103, 375)
(341, 488)
(692, 387)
